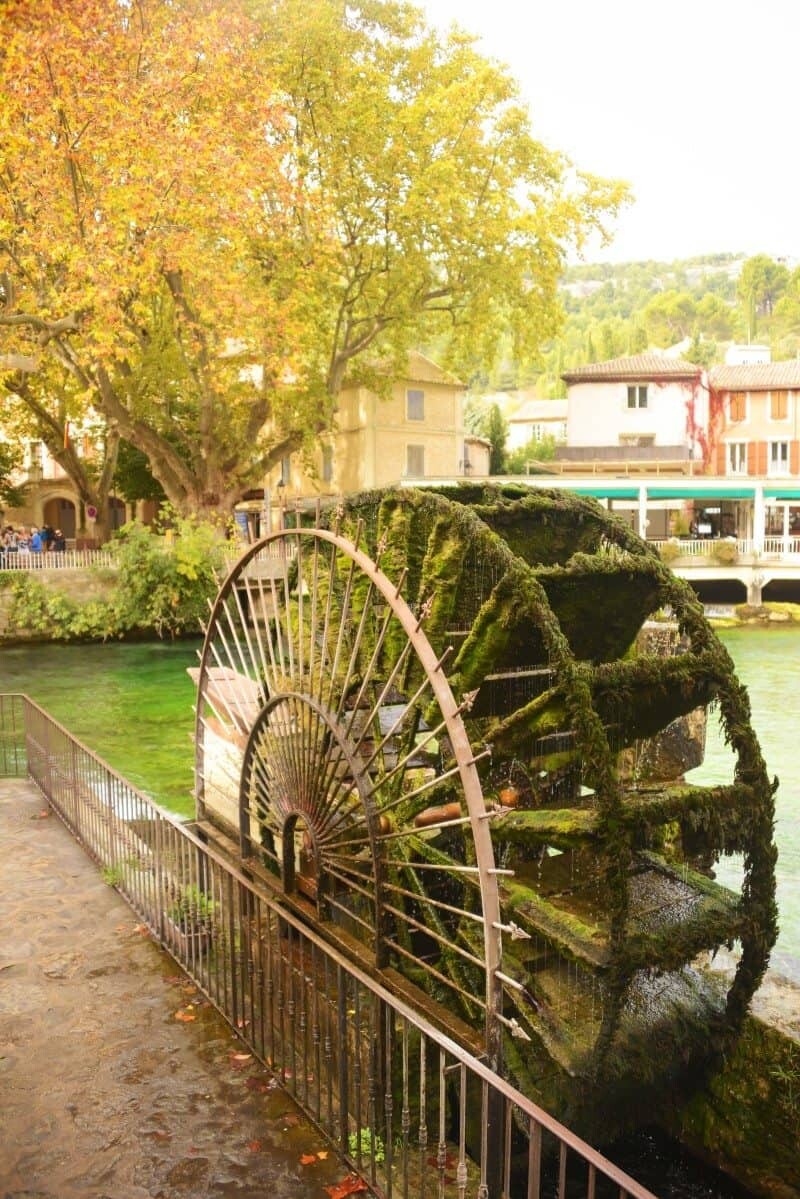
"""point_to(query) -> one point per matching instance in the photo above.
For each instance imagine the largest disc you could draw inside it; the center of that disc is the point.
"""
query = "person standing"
(35, 545)
(59, 542)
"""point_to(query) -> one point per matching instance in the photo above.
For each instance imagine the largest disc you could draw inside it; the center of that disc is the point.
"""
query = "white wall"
(598, 414)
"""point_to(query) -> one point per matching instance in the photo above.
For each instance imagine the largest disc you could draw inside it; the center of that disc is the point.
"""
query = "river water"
(132, 704)
(768, 662)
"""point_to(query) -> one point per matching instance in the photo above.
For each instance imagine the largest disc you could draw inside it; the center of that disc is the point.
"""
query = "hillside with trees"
(612, 310)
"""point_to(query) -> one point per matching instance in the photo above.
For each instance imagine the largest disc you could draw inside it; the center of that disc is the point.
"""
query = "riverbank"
(771, 615)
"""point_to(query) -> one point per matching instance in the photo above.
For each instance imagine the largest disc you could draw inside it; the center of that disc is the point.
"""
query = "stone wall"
(747, 1119)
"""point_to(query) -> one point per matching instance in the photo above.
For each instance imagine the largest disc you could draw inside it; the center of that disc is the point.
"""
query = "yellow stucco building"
(416, 432)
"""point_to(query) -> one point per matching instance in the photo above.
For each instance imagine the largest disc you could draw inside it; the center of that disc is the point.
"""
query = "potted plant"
(189, 920)
(668, 551)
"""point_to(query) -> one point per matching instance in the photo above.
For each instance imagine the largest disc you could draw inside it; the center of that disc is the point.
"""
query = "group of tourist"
(33, 544)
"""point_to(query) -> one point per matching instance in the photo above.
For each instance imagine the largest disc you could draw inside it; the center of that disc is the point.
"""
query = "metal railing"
(81, 559)
(411, 1111)
(707, 547)
(56, 560)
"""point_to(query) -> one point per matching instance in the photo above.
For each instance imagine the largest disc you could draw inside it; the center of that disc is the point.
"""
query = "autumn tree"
(452, 222)
(214, 215)
(142, 156)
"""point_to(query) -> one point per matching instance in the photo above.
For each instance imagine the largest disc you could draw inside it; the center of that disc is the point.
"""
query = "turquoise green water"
(131, 704)
(768, 663)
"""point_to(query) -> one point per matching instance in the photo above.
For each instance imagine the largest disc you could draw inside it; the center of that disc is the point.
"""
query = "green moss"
(565, 828)
(746, 1118)
(600, 605)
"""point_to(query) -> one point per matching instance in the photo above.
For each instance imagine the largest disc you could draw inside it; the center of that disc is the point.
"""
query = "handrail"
(366, 1064)
(59, 560)
(55, 560)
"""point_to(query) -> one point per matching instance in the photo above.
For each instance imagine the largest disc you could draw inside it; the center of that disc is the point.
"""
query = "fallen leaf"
(322, 1154)
(254, 1083)
(254, 1146)
(41, 815)
(242, 1023)
(308, 1159)
(351, 1185)
(185, 1015)
(241, 1057)
(142, 929)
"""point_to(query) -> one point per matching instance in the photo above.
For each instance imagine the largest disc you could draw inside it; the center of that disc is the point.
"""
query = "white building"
(644, 405)
(536, 420)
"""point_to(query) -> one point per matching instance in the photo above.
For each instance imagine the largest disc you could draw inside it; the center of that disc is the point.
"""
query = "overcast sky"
(695, 102)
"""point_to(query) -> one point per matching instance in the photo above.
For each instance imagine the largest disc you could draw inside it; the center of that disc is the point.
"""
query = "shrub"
(166, 586)
(160, 587)
(47, 612)
(669, 551)
(191, 908)
(726, 553)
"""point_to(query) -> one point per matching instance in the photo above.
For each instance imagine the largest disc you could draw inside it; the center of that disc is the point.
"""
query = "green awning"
(701, 493)
(607, 493)
(782, 493)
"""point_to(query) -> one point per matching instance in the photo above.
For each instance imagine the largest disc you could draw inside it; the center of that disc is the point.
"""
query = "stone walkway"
(104, 1093)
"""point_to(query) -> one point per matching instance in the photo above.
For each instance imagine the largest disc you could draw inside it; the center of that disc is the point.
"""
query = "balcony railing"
(707, 547)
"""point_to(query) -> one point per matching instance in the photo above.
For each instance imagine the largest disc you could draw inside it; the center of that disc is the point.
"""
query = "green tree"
(670, 317)
(542, 449)
(715, 318)
(452, 223)
(701, 352)
(12, 494)
(496, 431)
(133, 478)
(760, 285)
(785, 326)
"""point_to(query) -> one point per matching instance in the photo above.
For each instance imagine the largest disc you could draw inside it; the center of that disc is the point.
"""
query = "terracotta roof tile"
(762, 376)
(638, 367)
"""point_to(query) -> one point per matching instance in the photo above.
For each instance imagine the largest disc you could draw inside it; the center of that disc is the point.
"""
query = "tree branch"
(166, 464)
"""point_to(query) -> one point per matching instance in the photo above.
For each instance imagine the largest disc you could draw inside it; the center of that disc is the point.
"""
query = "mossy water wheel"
(564, 905)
